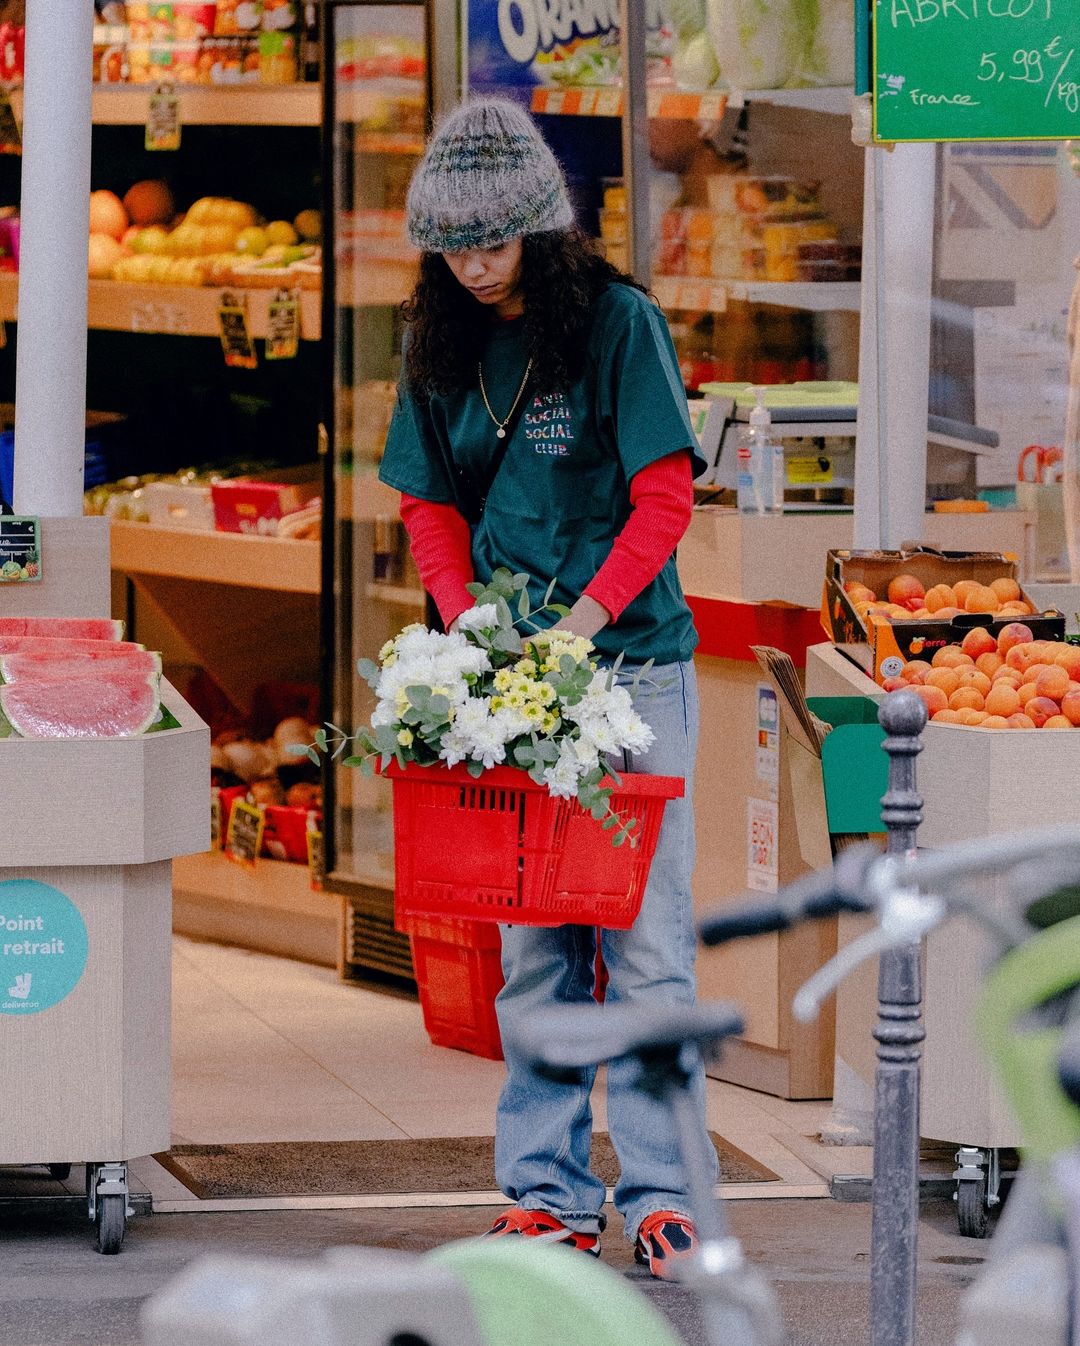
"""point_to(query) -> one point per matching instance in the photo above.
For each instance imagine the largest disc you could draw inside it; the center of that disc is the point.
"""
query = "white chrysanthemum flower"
(484, 617)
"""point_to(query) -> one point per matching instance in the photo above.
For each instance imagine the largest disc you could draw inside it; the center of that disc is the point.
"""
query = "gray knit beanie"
(487, 177)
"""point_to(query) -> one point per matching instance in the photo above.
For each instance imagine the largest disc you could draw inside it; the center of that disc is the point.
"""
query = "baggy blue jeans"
(544, 1128)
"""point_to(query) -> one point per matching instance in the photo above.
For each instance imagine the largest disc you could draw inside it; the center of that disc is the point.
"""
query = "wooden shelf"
(283, 565)
(174, 310)
(704, 295)
(389, 142)
(397, 594)
(684, 105)
(206, 105)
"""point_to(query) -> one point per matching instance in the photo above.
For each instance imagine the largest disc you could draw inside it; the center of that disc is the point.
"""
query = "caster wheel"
(61, 1172)
(111, 1223)
(972, 1213)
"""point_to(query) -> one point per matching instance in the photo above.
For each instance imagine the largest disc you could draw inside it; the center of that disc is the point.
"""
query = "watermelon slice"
(69, 628)
(121, 659)
(96, 649)
(113, 705)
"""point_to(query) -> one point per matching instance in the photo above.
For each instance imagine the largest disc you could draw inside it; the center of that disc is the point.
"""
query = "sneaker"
(666, 1241)
(545, 1228)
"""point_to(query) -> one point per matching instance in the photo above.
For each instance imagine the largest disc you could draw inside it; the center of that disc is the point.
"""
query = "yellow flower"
(497, 703)
(405, 738)
(533, 713)
(441, 691)
(503, 680)
(515, 699)
(413, 626)
(546, 694)
(386, 651)
(390, 660)
(549, 723)
(401, 701)
(527, 667)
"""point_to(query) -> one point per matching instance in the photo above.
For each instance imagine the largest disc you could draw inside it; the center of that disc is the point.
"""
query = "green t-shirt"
(561, 495)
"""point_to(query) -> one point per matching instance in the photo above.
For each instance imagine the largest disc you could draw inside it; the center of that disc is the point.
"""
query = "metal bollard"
(899, 1033)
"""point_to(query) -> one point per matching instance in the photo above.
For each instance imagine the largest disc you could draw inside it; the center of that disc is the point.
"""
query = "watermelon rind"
(43, 709)
(28, 664)
(72, 628)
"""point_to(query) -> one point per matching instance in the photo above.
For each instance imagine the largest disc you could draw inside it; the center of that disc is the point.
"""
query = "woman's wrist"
(586, 618)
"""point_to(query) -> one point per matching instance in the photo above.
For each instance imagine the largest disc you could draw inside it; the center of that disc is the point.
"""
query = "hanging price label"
(316, 858)
(235, 335)
(163, 119)
(244, 839)
(283, 326)
(20, 549)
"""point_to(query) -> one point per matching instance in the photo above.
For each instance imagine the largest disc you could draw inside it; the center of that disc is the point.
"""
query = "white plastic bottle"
(760, 478)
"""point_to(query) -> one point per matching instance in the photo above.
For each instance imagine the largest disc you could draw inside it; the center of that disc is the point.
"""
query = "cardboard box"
(257, 505)
(175, 505)
(883, 645)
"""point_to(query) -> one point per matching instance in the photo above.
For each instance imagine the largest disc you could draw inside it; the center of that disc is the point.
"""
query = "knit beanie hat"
(487, 177)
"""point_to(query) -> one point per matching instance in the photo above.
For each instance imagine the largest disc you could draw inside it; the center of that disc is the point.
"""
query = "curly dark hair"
(563, 275)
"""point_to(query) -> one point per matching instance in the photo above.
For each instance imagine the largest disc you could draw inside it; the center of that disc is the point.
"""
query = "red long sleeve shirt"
(661, 500)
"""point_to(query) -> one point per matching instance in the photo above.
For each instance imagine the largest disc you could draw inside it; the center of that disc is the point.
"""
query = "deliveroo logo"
(43, 946)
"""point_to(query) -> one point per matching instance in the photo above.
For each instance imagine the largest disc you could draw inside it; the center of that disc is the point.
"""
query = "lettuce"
(758, 43)
(694, 63)
(829, 57)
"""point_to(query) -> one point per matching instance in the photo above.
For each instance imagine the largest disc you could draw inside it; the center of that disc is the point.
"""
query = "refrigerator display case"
(377, 106)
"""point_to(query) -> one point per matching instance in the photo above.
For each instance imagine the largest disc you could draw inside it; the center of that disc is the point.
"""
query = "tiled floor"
(267, 1049)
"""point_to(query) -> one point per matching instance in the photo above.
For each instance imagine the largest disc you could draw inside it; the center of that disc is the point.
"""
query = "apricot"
(915, 670)
(967, 698)
(972, 718)
(1057, 722)
(1068, 657)
(1006, 589)
(856, 589)
(1020, 721)
(946, 614)
(940, 596)
(1016, 633)
(973, 677)
(905, 587)
(979, 641)
(952, 656)
(962, 588)
(1052, 682)
(946, 678)
(989, 663)
(1070, 707)
(1027, 690)
(934, 697)
(1032, 671)
(922, 615)
(995, 722)
(1007, 674)
(1019, 609)
(1023, 656)
(945, 717)
(982, 599)
(1002, 700)
(893, 685)
(1040, 709)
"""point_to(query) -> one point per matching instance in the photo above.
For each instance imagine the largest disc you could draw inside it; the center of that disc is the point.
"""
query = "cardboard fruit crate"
(882, 645)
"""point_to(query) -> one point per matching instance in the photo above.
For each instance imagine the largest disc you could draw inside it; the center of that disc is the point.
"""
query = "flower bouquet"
(495, 736)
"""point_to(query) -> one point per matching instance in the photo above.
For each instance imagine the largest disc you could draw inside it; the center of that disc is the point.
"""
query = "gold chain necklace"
(500, 426)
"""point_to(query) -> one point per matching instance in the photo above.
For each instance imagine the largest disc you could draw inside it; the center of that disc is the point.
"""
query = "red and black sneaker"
(666, 1241)
(545, 1228)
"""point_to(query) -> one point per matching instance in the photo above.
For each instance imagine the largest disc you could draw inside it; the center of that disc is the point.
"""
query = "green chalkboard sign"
(976, 70)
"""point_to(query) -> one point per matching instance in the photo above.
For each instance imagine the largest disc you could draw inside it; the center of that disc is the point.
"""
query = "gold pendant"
(500, 433)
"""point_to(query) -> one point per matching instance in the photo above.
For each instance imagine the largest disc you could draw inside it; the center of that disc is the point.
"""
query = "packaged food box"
(613, 226)
(277, 58)
(285, 832)
(256, 505)
(614, 195)
(770, 197)
(176, 505)
(781, 240)
(195, 19)
(234, 18)
(278, 16)
(882, 644)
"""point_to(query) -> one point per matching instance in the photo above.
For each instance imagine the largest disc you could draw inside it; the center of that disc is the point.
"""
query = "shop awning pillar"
(50, 416)
(894, 348)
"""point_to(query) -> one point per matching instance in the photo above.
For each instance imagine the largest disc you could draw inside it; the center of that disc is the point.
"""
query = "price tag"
(20, 549)
(244, 839)
(163, 119)
(10, 130)
(283, 326)
(806, 471)
(215, 818)
(235, 335)
(316, 859)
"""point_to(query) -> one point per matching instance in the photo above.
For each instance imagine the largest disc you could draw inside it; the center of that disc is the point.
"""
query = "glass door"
(376, 114)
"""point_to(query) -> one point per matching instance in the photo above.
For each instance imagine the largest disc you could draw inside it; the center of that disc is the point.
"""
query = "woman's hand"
(586, 618)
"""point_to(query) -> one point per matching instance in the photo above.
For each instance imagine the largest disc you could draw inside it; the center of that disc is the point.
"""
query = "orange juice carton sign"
(891, 607)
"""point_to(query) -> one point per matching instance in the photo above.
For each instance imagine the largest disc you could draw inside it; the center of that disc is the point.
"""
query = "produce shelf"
(284, 565)
(681, 105)
(175, 310)
(388, 142)
(206, 105)
(704, 295)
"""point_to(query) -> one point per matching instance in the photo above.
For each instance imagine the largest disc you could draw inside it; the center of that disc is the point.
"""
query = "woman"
(542, 425)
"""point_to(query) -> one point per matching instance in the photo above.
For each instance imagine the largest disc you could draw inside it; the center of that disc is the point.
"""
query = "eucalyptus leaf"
(619, 839)
(313, 756)
(523, 605)
(298, 749)
(356, 761)
(475, 769)
(612, 820)
(560, 609)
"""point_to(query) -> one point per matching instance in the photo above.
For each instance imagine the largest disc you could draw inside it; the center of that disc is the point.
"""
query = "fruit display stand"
(90, 836)
(974, 783)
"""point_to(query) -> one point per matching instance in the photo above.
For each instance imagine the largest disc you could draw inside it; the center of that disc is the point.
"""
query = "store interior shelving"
(685, 105)
(284, 565)
(705, 295)
(205, 105)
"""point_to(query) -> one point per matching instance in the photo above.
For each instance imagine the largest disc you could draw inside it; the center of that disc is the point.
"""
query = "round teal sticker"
(43, 946)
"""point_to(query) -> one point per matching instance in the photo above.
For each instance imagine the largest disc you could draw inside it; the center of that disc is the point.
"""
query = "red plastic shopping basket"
(500, 848)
